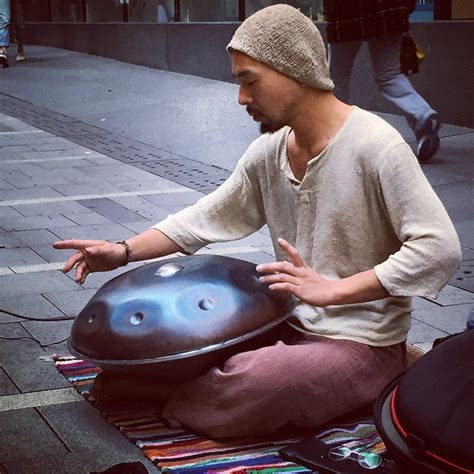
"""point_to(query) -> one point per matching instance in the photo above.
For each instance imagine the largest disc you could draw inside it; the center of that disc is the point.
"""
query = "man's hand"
(297, 278)
(91, 256)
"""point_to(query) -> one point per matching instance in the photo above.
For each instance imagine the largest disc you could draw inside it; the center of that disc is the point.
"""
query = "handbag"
(411, 56)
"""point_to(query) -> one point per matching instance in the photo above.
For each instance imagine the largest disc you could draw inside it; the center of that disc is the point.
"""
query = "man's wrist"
(128, 252)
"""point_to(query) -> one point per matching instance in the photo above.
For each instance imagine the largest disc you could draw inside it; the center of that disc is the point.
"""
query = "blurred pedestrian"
(382, 24)
(5, 13)
(18, 21)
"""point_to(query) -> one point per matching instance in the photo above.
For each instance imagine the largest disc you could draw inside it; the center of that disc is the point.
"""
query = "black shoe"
(3, 57)
(428, 139)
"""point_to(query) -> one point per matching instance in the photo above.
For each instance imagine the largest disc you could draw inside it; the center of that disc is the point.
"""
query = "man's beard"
(270, 127)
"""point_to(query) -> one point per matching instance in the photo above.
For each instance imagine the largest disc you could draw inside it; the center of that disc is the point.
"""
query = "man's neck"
(317, 122)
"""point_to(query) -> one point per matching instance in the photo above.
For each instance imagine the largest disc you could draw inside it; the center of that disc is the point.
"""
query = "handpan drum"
(176, 318)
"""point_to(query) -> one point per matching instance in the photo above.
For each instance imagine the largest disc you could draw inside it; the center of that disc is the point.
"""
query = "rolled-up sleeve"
(232, 211)
(430, 250)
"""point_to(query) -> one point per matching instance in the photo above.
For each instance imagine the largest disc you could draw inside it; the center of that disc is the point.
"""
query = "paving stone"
(25, 435)
(38, 282)
(53, 145)
(49, 332)
(32, 155)
(463, 277)
(114, 170)
(111, 232)
(66, 208)
(8, 212)
(422, 332)
(138, 227)
(70, 303)
(81, 462)
(98, 159)
(467, 254)
(152, 184)
(52, 255)
(53, 178)
(422, 303)
(18, 149)
(4, 128)
(20, 359)
(174, 201)
(26, 238)
(450, 295)
(23, 256)
(29, 305)
(136, 203)
(88, 189)
(46, 174)
(449, 319)
(65, 162)
(7, 387)
(88, 424)
(111, 210)
(453, 157)
(32, 193)
(254, 257)
(465, 230)
(88, 218)
(4, 185)
(436, 177)
(458, 199)
(31, 223)
(149, 211)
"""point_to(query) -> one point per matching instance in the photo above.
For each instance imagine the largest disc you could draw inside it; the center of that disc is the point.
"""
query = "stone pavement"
(95, 148)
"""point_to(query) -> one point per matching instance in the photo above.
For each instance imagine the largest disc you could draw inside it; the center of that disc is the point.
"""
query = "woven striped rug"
(180, 451)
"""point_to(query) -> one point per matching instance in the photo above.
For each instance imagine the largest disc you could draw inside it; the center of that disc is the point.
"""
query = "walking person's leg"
(18, 16)
(341, 59)
(5, 13)
(397, 89)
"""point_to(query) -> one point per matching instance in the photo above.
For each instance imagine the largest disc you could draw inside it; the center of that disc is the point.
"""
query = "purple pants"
(301, 380)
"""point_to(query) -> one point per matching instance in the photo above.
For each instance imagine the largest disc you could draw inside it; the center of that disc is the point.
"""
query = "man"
(357, 231)
(15, 8)
(5, 12)
(382, 24)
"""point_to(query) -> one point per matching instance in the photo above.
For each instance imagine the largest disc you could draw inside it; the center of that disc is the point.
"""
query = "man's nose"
(244, 97)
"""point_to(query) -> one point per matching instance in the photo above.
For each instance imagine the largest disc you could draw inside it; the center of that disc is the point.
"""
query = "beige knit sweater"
(363, 203)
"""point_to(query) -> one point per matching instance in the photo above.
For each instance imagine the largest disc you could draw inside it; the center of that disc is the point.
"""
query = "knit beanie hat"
(286, 40)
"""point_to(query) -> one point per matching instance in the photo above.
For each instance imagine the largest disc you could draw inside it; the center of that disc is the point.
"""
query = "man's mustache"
(251, 111)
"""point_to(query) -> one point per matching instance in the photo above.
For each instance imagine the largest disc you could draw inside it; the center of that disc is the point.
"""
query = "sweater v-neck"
(285, 165)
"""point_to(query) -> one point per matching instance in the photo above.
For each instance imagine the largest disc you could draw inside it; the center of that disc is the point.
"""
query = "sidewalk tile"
(449, 319)
(111, 210)
(70, 302)
(11, 257)
(33, 223)
(39, 282)
(109, 232)
(26, 436)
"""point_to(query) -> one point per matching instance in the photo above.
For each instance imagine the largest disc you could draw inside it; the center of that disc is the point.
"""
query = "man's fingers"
(278, 278)
(294, 255)
(76, 244)
(82, 271)
(278, 267)
(285, 286)
(73, 261)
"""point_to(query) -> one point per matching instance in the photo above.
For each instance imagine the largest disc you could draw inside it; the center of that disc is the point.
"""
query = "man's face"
(269, 96)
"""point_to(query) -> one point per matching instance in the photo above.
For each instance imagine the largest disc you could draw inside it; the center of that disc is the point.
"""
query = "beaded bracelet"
(128, 251)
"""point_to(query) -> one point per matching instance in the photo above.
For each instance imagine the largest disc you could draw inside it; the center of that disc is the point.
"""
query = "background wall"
(445, 80)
